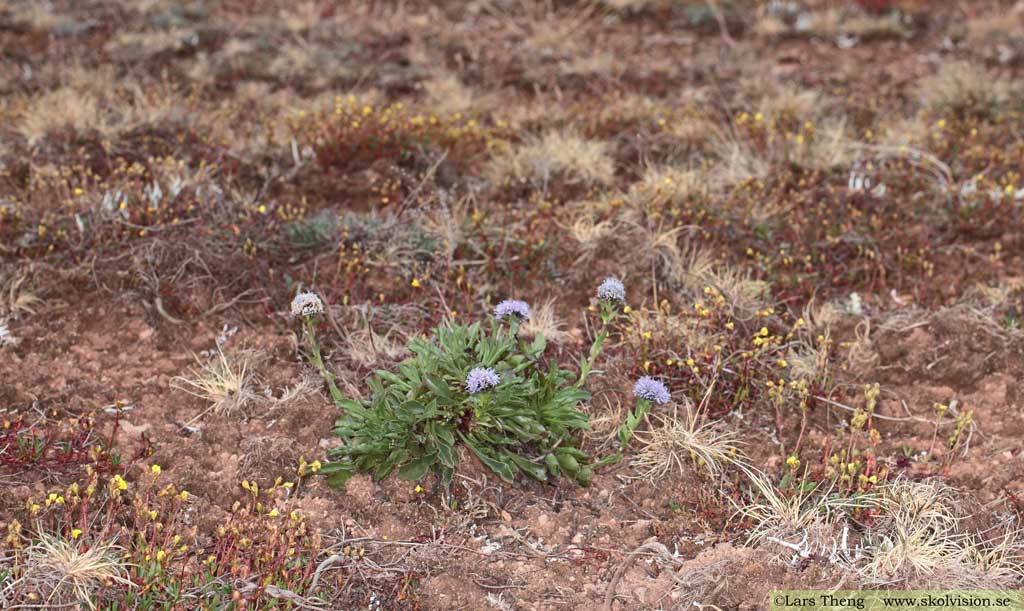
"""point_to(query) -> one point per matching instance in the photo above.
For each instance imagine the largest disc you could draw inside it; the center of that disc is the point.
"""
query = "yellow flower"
(793, 462)
(418, 489)
(184, 495)
(155, 469)
(415, 283)
(273, 513)
(627, 310)
(160, 555)
(314, 466)
(76, 533)
(119, 482)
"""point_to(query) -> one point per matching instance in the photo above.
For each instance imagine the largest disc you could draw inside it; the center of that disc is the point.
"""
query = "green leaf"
(410, 372)
(337, 474)
(503, 468)
(444, 435)
(568, 463)
(552, 464)
(353, 408)
(416, 469)
(446, 474)
(438, 386)
(528, 467)
(394, 379)
(538, 345)
(447, 454)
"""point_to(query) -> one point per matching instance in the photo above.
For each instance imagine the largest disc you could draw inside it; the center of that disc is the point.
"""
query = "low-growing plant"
(478, 386)
(114, 544)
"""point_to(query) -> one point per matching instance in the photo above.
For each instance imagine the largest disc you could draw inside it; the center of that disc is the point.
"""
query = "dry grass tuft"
(861, 356)
(367, 348)
(743, 294)
(736, 162)
(664, 186)
(774, 514)
(829, 148)
(962, 87)
(801, 523)
(590, 235)
(61, 108)
(605, 421)
(544, 321)
(70, 573)
(659, 246)
(15, 298)
(226, 383)
(676, 440)
(788, 103)
(556, 154)
(448, 94)
(922, 541)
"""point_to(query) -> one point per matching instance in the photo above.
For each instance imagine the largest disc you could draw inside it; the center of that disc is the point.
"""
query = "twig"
(609, 597)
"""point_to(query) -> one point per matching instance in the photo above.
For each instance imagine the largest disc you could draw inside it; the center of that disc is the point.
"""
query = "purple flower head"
(612, 290)
(512, 307)
(652, 390)
(481, 379)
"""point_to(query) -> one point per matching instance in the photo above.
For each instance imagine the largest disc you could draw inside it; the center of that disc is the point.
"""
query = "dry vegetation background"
(816, 208)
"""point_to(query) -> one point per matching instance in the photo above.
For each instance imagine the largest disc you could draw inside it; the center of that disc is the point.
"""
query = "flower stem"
(633, 420)
(317, 360)
(588, 364)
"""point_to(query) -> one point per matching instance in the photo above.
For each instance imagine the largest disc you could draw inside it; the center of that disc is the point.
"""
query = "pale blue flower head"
(481, 379)
(512, 307)
(652, 390)
(307, 304)
(611, 290)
